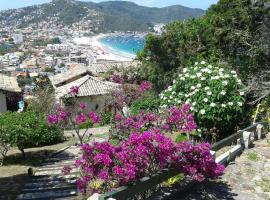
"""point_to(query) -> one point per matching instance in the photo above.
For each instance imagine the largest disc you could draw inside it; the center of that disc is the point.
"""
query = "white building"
(8, 85)
(92, 91)
(17, 38)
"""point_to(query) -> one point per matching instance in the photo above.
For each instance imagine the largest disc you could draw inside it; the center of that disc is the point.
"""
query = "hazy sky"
(204, 4)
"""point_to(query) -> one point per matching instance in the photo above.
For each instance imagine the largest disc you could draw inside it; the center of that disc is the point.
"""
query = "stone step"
(47, 188)
(45, 195)
(53, 172)
(52, 178)
(56, 164)
(66, 157)
(49, 183)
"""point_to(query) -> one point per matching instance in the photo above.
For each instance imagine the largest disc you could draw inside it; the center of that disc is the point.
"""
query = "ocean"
(126, 45)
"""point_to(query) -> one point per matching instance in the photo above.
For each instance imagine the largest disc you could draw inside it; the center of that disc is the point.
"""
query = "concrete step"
(49, 183)
(42, 195)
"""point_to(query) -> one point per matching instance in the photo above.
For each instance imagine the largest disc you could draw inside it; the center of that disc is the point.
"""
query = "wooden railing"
(146, 183)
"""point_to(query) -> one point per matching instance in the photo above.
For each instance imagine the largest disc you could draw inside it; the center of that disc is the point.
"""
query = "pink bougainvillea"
(142, 155)
(173, 119)
(145, 86)
(117, 79)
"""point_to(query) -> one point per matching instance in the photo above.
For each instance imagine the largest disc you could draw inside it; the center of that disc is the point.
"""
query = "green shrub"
(214, 93)
(181, 138)
(148, 103)
(106, 118)
(27, 129)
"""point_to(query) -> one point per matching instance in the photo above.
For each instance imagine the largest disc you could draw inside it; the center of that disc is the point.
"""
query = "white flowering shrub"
(214, 92)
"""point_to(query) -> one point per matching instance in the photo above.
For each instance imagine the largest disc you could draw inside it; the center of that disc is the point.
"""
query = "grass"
(13, 174)
(264, 183)
(253, 156)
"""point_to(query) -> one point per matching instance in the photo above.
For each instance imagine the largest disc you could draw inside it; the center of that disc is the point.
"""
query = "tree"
(26, 130)
(236, 32)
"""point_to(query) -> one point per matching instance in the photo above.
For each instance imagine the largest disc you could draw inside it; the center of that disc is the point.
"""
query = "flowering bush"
(128, 94)
(74, 115)
(173, 119)
(213, 91)
(104, 166)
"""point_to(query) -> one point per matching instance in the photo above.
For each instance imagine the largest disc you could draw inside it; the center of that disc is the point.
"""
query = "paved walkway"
(49, 181)
(247, 178)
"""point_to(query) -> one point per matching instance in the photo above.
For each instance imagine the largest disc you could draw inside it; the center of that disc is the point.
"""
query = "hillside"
(105, 16)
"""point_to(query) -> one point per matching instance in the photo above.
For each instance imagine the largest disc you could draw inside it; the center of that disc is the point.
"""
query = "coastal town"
(29, 54)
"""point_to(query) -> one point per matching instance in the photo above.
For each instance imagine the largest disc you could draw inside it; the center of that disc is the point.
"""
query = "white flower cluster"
(207, 88)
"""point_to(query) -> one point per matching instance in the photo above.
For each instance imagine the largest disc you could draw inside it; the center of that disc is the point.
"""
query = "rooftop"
(88, 86)
(8, 83)
(103, 67)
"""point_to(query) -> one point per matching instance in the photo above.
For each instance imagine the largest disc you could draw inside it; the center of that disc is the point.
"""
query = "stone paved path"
(247, 178)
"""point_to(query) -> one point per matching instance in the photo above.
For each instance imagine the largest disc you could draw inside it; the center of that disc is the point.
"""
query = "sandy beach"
(109, 53)
(102, 52)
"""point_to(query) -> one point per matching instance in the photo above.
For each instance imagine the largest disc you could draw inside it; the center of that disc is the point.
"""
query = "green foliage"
(181, 138)
(27, 129)
(214, 92)
(55, 41)
(7, 48)
(147, 103)
(176, 179)
(232, 31)
(50, 69)
(87, 124)
(22, 81)
(263, 183)
(253, 156)
(106, 118)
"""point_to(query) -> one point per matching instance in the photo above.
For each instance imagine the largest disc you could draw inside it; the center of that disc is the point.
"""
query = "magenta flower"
(103, 175)
(63, 116)
(94, 117)
(118, 117)
(74, 90)
(52, 119)
(117, 79)
(81, 119)
(82, 106)
(145, 86)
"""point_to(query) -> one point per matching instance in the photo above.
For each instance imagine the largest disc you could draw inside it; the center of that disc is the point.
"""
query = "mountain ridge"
(101, 17)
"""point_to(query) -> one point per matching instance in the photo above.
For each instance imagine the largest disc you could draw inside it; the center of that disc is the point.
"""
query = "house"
(9, 93)
(92, 91)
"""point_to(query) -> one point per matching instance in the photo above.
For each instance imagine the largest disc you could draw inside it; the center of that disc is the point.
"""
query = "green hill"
(105, 16)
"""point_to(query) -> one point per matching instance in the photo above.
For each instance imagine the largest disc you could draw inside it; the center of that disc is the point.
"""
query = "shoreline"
(109, 53)
(105, 52)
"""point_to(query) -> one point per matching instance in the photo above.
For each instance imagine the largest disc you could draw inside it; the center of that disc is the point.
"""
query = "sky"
(204, 4)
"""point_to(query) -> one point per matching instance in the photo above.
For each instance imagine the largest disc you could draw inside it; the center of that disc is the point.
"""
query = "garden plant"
(215, 94)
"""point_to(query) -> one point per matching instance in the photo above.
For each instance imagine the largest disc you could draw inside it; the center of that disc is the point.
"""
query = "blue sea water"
(128, 45)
